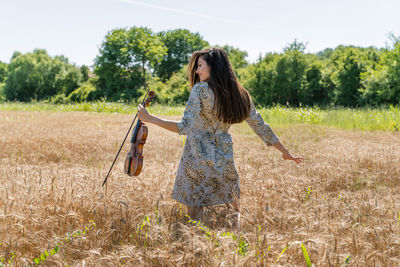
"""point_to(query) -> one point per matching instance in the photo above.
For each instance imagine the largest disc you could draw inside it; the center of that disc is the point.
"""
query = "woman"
(206, 173)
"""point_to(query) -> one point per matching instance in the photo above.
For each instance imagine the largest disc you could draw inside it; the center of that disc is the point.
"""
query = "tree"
(123, 58)
(85, 72)
(314, 91)
(350, 64)
(392, 60)
(325, 53)
(348, 79)
(295, 46)
(259, 79)
(15, 54)
(382, 84)
(38, 76)
(3, 71)
(290, 76)
(181, 44)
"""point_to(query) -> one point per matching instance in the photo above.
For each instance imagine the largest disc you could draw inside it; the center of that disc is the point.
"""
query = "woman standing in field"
(206, 173)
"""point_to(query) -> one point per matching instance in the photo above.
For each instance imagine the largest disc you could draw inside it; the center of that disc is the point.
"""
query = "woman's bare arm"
(164, 123)
(285, 153)
(278, 145)
(145, 116)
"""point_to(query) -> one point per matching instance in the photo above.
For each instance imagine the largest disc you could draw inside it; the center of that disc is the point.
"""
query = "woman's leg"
(236, 204)
(194, 212)
(236, 207)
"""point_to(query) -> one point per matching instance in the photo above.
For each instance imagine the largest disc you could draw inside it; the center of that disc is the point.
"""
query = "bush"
(57, 99)
(38, 76)
(2, 95)
(84, 92)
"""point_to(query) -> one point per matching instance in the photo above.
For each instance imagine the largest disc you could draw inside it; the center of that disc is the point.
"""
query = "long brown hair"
(231, 98)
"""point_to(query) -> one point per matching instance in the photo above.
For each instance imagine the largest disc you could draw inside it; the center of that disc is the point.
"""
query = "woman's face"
(202, 69)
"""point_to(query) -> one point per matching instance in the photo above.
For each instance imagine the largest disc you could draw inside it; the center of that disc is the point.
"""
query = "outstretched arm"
(264, 131)
(286, 154)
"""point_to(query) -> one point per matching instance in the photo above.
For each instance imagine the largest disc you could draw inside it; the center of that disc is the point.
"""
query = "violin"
(134, 158)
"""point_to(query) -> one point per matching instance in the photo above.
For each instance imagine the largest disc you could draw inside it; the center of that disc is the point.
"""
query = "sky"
(76, 28)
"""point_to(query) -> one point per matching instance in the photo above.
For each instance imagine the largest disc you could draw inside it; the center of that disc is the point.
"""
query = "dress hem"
(211, 204)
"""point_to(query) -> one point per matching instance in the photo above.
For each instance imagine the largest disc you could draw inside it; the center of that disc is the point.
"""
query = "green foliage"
(366, 119)
(2, 96)
(242, 245)
(308, 193)
(260, 79)
(3, 72)
(304, 250)
(84, 92)
(38, 76)
(157, 214)
(346, 261)
(181, 44)
(85, 72)
(309, 115)
(207, 232)
(176, 89)
(122, 61)
(173, 91)
(295, 46)
(374, 86)
(290, 76)
(391, 92)
(316, 87)
(324, 54)
(57, 99)
(345, 76)
(3, 260)
(59, 245)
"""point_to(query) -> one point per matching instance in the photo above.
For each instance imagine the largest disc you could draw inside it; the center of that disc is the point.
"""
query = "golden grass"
(343, 200)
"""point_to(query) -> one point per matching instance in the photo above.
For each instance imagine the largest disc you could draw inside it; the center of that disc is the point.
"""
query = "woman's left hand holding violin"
(144, 115)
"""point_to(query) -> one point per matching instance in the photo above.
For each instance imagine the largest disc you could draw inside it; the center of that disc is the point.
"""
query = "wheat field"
(342, 203)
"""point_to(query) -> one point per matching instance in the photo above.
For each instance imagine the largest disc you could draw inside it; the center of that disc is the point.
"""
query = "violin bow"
(105, 180)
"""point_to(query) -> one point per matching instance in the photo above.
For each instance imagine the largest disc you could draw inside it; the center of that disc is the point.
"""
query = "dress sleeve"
(192, 110)
(262, 129)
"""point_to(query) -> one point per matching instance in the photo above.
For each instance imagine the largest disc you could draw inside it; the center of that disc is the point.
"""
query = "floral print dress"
(206, 173)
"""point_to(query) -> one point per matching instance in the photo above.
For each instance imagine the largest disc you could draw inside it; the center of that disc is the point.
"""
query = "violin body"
(134, 159)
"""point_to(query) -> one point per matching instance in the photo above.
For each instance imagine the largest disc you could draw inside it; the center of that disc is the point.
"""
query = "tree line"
(131, 58)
